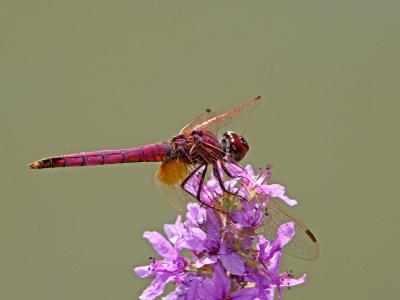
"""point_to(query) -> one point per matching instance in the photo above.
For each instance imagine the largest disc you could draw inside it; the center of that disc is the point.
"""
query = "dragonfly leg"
(201, 183)
(203, 174)
(219, 178)
(227, 171)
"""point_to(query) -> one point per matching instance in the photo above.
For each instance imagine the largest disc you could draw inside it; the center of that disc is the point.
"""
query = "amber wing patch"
(172, 172)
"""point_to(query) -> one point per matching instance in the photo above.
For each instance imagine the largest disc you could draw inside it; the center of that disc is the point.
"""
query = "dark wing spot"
(312, 237)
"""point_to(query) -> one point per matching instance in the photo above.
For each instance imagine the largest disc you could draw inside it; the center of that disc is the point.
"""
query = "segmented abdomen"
(148, 153)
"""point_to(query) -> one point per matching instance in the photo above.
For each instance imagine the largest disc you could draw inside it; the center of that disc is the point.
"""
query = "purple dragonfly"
(194, 154)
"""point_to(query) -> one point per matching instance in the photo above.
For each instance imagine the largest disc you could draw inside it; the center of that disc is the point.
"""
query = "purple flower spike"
(228, 258)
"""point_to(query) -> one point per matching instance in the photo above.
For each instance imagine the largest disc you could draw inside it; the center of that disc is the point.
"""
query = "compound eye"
(243, 141)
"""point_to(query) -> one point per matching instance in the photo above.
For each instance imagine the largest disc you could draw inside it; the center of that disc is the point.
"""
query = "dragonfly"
(195, 153)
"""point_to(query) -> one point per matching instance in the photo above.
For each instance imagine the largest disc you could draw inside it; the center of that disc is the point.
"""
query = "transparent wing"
(168, 180)
(170, 175)
(304, 245)
(213, 123)
(198, 119)
(222, 120)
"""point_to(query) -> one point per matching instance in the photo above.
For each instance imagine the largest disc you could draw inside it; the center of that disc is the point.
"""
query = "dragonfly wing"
(172, 174)
(213, 123)
(168, 179)
(198, 119)
(303, 245)
(220, 121)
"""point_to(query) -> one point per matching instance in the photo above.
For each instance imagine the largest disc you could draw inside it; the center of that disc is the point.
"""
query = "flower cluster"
(219, 253)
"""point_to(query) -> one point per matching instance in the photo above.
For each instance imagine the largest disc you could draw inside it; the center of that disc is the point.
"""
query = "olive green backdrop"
(86, 75)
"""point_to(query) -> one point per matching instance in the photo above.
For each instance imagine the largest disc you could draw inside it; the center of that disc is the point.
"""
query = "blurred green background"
(86, 75)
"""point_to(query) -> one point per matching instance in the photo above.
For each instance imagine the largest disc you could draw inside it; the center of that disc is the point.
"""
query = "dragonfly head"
(234, 145)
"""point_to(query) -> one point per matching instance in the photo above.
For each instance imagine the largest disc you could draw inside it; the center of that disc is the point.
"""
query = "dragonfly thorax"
(198, 147)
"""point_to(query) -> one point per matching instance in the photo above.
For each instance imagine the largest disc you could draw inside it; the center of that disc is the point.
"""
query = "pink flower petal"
(143, 271)
(159, 243)
(195, 215)
(174, 231)
(285, 233)
(294, 281)
(206, 260)
(278, 191)
(155, 288)
(222, 282)
(233, 263)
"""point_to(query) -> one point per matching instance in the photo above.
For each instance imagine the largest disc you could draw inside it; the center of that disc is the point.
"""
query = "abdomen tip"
(34, 165)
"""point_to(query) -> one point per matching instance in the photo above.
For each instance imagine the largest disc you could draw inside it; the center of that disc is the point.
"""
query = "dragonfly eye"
(234, 146)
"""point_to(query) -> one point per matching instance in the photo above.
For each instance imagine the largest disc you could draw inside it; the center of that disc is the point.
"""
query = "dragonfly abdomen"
(148, 153)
